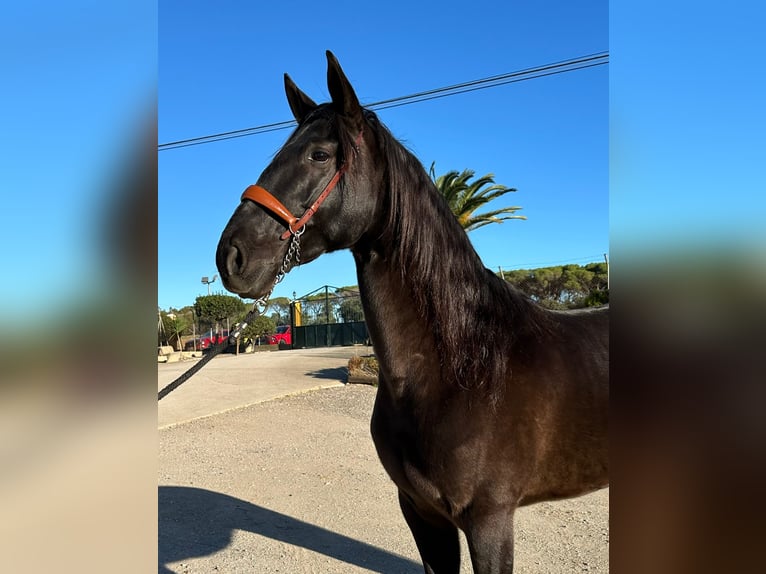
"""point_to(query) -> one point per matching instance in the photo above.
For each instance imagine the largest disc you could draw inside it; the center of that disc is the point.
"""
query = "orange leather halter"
(262, 197)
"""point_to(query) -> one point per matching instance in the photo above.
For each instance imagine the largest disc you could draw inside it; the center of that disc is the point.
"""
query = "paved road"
(232, 381)
(258, 473)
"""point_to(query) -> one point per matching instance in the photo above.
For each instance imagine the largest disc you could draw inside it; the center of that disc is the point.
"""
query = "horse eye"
(320, 156)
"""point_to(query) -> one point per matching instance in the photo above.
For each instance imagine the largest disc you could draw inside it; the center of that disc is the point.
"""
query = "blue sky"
(79, 81)
(683, 92)
(221, 69)
(687, 124)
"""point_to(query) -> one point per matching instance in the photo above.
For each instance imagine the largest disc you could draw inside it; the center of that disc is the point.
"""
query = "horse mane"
(477, 318)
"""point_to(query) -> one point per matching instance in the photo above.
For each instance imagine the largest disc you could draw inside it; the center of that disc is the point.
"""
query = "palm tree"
(466, 198)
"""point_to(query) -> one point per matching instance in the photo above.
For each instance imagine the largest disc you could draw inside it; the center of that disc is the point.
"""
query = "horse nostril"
(234, 260)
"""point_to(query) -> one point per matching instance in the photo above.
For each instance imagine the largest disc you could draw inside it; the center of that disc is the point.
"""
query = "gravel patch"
(294, 485)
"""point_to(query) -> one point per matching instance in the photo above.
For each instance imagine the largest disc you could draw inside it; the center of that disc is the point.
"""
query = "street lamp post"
(207, 281)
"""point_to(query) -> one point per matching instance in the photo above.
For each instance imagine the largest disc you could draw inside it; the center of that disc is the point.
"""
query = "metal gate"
(328, 317)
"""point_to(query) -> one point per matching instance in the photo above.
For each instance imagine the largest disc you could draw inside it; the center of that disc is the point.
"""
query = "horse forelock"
(339, 125)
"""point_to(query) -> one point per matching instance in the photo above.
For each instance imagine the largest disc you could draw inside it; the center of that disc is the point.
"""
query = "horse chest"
(433, 465)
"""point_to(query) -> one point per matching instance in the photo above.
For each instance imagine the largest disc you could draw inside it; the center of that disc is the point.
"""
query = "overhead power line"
(580, 63)
(520, 266)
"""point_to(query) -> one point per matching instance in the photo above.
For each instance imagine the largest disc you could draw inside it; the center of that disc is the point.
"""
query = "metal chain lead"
(260, 305)
(293, 252)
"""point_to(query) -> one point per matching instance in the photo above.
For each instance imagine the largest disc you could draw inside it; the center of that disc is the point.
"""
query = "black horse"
(501, 403)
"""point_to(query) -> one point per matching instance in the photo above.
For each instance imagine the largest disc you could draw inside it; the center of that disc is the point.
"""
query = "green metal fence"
(327, 317)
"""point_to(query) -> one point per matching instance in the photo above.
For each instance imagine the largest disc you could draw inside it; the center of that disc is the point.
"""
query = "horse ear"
(344, 99)
(300, 104)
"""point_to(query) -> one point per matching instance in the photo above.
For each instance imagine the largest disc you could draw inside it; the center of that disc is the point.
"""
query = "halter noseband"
(262, 197)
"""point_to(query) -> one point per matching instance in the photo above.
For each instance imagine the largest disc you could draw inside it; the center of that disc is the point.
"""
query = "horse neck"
(422, 239)
(429, 301)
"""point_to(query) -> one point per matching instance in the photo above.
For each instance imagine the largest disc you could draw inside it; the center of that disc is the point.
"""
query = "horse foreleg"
(437, 540)
(490, 542)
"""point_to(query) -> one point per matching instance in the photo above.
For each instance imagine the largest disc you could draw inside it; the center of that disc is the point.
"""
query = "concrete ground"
(232, 381)
(267, 465)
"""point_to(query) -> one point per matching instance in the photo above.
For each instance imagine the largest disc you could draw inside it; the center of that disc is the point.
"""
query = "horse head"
(322, 175)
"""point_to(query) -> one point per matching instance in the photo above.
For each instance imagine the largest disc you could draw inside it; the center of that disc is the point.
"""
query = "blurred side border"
(688, 278)
(78, 446)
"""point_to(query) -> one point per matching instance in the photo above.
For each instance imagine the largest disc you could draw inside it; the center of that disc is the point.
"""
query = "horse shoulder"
(565, 393)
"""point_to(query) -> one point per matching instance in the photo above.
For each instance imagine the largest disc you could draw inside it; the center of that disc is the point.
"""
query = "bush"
(363, 370)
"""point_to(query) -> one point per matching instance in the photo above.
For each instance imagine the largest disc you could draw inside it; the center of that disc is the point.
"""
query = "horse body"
(465, 457)
(486, 401)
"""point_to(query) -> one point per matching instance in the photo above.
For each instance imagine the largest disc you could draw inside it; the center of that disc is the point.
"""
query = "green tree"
(174, 325)
(563, 286)
(465, 197)
(260, 325)
(215, 308)
(280, 310)
(348, 304)
(319, 309)
(350, 309)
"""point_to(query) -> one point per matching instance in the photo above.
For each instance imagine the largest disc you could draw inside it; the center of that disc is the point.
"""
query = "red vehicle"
(283, 335)
(212, 339)
(209, 339)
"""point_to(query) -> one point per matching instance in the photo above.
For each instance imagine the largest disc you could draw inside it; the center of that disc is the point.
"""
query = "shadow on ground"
(332, 374)
(194, 522)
